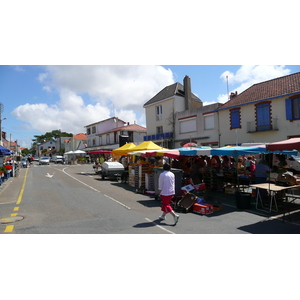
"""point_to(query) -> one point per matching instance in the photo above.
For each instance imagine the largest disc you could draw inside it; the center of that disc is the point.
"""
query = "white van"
(58, 159)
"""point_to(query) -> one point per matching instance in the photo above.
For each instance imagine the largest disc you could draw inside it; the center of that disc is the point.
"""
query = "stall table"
(273, 188)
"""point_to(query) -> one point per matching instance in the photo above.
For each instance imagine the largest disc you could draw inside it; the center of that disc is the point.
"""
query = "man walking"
(166, 187)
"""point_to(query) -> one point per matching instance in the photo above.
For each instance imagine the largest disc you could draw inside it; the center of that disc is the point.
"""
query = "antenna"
(227, 86)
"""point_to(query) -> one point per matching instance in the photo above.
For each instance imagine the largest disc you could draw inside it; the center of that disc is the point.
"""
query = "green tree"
(53, 135)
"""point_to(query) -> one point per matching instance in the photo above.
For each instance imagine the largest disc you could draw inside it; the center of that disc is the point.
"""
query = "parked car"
(24, 162)
(44, 160)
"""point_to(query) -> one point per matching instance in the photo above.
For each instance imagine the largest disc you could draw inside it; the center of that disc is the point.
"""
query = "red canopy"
(290, 144)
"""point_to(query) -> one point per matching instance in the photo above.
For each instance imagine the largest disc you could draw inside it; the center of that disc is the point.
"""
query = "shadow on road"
(152, 223)
(271, 227)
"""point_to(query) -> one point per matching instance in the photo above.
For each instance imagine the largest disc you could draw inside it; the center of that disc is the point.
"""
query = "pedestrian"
(166, 188)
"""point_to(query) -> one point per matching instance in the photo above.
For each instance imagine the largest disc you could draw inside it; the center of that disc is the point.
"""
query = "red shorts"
(166, 207)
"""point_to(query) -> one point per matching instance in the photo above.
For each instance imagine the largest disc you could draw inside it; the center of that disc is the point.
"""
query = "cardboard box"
(187, 188)
(203, 208)
(200, 187)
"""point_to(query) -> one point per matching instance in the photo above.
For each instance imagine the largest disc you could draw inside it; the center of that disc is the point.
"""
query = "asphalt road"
(63, 199)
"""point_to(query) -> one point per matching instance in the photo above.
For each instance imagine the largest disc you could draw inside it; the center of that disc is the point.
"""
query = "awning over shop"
(290, 144)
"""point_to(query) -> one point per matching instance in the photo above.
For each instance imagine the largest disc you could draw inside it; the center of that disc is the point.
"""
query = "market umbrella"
(4, 151)
(79, 152)
(146, 145)
(290, 144)
(124, 149)
(69, 152)
(190, 145)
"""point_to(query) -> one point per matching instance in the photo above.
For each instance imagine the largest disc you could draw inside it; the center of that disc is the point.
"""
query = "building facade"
(160, 111)
(265, 112)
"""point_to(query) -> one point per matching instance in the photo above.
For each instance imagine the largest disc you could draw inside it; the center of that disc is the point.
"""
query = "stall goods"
(203, 208)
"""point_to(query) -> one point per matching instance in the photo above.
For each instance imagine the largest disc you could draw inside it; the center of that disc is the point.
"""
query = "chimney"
(232, 95)
(187, 92)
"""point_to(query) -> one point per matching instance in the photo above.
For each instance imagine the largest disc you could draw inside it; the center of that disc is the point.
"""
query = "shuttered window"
(263, 117)
(292, 107)
(235, 118)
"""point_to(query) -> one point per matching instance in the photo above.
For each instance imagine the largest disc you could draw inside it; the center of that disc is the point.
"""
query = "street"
(72, 199)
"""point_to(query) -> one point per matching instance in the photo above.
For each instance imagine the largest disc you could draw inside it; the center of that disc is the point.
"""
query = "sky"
(38, 98)
(68, 65)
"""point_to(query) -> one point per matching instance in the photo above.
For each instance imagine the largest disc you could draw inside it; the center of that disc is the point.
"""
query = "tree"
(53, 135)
(25, 152)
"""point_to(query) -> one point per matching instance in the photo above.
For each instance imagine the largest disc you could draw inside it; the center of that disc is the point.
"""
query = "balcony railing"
(253, 127)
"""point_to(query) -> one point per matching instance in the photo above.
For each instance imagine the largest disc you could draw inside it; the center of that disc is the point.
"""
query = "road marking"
(117, 201)
(169, 231)
(9, 228)
(22, 189)
(122, 204)
(16, 208)
(14, 215)
(48, 175)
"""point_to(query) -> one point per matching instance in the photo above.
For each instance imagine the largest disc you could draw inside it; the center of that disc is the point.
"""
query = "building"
(161, 112)
(265, 112)
(95, 131)
(76, 142)
(112, 133)
(199, 125)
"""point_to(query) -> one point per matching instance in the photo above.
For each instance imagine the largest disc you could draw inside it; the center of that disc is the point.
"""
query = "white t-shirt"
(166, 183)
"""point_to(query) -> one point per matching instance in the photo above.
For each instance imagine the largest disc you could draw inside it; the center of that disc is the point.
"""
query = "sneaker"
(161, 218)
(176, 218)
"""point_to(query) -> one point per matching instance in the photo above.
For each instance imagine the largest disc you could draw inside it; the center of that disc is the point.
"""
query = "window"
(158, 113)
(94, 129)
(88, 131)
(263, 117)
(187, 125)
(292, 106)
(107, 139)
(209, 121)
(235, 118)
(159, 130)
(94, 142)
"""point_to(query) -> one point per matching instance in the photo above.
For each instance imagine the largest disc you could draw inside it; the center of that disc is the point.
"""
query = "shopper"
(166, 187)
(261, 172)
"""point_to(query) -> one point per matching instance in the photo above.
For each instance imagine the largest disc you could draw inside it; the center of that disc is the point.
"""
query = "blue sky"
(74, 64)
(37, 99)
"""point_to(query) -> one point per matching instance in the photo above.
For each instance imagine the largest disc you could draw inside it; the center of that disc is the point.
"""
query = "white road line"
(117, 201)
(127, 207)
(162, 228)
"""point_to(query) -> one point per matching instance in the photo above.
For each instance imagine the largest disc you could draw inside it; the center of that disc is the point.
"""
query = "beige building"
(199, 125)
(266, 112)
(162, 108)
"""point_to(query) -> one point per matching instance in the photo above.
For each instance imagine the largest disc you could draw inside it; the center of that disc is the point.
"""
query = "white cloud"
(88, 94)
(248, 75)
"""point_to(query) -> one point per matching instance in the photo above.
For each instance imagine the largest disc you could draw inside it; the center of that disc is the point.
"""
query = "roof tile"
(277, 87)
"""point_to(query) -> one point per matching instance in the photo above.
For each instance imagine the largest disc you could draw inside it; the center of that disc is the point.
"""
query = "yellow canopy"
(124, 149)
(147, 145)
